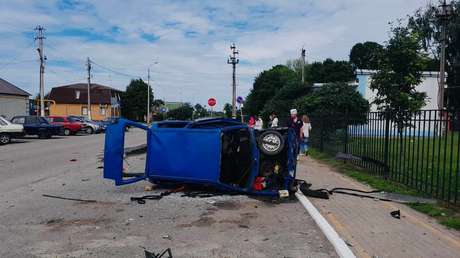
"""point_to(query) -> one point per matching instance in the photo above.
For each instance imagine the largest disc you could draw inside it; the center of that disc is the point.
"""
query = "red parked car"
(71, 126)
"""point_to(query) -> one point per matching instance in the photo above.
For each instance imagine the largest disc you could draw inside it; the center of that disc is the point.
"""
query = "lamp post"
(148, 94)
(444, 13)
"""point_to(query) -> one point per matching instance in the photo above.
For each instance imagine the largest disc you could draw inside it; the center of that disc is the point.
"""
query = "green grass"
(448, 216)
(427, 164)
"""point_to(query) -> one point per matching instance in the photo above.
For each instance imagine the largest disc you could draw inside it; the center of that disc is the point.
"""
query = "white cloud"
(194, 37)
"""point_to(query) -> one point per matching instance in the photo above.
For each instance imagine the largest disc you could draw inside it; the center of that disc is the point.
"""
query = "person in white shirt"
(273, 120)
(305, 134)
(259, 123)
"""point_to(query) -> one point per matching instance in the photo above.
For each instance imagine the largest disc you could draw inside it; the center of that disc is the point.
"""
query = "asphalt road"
(221, 226)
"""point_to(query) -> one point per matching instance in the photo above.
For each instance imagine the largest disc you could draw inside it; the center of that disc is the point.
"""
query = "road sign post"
(212, 102)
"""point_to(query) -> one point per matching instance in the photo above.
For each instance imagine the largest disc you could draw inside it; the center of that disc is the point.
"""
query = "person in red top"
(251, 122)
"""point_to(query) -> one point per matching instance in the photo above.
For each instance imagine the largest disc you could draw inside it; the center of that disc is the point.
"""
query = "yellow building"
(73, 100)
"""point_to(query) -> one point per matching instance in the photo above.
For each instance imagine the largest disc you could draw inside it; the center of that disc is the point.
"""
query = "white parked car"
(9, 130)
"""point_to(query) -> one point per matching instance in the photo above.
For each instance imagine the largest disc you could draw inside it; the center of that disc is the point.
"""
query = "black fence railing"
(422, 154)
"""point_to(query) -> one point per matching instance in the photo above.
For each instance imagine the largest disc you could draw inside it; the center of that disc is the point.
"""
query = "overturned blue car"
(221, 153)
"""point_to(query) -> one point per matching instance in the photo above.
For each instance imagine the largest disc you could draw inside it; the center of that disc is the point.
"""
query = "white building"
(429, 85)
(13, 100)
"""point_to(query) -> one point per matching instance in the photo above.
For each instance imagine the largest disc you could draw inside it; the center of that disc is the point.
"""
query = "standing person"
(305, 134)
(273, 120)
(259, 123)
(251, 122)
(295, 123)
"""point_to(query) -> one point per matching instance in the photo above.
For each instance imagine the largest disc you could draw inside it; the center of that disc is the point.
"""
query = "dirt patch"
(227, 205)
(204, 221)
(243, 221)
(58, 224)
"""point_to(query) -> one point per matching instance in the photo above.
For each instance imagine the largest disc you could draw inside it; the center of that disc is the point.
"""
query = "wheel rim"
(66, 132)
(4, 139)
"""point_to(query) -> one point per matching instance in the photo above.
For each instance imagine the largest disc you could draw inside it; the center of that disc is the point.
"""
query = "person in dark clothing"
(296, 123)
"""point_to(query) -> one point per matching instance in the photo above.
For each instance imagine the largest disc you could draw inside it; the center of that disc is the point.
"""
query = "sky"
(184, 43)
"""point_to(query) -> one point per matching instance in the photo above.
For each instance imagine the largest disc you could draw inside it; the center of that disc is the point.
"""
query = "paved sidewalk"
(367, 226)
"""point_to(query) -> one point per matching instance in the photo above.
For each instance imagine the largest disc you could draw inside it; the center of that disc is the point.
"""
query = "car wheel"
(67, 132)
(4, 138)
(89, 130)
(42, 135)
(271, 143)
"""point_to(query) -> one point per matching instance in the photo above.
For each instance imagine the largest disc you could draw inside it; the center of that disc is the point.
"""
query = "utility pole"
(303, 65)
(88, 67)
(148, 96)
(40, 37)
(444, 13)
(233, 60)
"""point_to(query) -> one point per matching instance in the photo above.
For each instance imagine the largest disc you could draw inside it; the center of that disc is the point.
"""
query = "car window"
(31, 120)
(41, 120)
(58, 119)
(18, 120)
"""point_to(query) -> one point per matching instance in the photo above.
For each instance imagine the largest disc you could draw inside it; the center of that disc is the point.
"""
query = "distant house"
(73, 100)
(13, 100)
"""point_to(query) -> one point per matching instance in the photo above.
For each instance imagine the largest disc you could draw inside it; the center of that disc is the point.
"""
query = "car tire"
(271, 142)
(5, 138)
(42, 135)
(89, 130)
(67, 132)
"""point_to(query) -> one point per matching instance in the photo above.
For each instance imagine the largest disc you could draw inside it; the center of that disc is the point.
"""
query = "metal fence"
(423, 155)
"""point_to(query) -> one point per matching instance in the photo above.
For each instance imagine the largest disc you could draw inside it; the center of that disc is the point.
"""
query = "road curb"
(337, 242)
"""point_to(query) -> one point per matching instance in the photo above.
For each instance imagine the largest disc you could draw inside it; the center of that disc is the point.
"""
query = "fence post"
(321, 141)
(345, 149)
(386, 142)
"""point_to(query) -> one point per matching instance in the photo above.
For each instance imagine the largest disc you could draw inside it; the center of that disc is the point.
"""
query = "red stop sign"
(211, 102)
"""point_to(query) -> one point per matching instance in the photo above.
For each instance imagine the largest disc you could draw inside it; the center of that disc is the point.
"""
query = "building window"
(102, 110)
(77, 94)
(84, 111)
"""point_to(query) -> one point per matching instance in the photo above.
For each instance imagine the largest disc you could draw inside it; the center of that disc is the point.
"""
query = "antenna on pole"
(233, 60)
(40, 37)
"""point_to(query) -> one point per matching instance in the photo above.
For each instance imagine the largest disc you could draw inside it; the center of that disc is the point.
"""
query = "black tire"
(4, 138)
(42, 135)
(67, 132)
(271, 142)
(89, 130)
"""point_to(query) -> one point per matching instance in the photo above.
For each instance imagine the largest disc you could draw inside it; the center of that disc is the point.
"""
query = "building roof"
(372, 72)
(78, 94)
(10, 89)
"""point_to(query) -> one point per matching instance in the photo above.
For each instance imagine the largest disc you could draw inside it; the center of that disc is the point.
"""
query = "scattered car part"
(158, 255)
(67, 198)
(396, 214)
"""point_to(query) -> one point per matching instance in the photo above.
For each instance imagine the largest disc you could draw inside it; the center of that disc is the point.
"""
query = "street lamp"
(444, 12)
(148, 93)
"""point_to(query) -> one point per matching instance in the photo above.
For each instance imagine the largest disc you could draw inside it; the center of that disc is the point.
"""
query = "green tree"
(331, 71)
(266, 85)
(283, 101)
(228, 110)
(366, 55)
(184, 112)
(134, 100)
(200, 111)
(332, 99)
(400, 72)
(428, 26)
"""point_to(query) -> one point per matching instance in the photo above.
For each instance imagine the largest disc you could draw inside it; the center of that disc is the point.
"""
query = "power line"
(115, 71)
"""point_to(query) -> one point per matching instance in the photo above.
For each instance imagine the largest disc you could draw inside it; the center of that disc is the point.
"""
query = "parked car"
(35, 125)
(108, 121)
(70, 125)
(223, 153)
(9, 130)
(89, 126)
